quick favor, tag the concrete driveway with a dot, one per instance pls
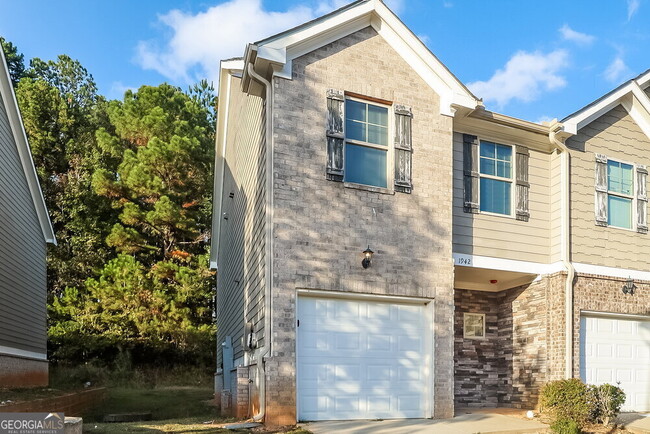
(461, 424)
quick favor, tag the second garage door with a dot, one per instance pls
(617, 349)
(360, 359)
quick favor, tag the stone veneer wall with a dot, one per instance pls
(604, 294)
(521, 350)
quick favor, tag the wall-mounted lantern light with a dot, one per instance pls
(629, 286)
(367, 257)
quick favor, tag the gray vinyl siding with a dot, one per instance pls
(241, 277)
(22, 254)
(616, 135)
(489, 235)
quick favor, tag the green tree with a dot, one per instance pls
(15, 61)
(156, 294)
(61, 112)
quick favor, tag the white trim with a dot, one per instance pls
(225, 85)
(599, 314)
(302, 292)
(8, 351)
(24, 152)
(622, 273)
(491, 263)
(280, 50)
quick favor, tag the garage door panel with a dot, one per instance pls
(365, 362)
(617, 350)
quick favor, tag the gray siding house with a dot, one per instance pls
(386, 247)
(25, 229)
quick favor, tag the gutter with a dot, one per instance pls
(268, 263)
(566, 248)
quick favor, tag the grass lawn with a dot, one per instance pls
(174, 409)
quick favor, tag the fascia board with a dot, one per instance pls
(638, 106)
(643, 80)
(24, 152)
(281, 51)
(586, 116)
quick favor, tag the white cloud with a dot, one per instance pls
(118, 89)
(616, 70)
(524, 77)
(198, 42)
(579, 38)
(632, 7)
(448, 4)
(544, 119)
(424, 38)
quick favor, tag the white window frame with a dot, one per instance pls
(499, 178)
(467, 315)
(389, 148)
(633, 196)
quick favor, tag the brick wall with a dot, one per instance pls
(604, 294)
(321, 227)
(21, 372)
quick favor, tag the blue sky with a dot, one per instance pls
(525, 60)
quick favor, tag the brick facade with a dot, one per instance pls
(604, 294)
(321, 227)
(22, 372)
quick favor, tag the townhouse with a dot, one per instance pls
(387, 247)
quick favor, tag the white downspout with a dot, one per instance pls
(268, 251)
(566, 250)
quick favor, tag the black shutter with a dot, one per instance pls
(335, 101)
(403, 149)
(642, 200)
(523, 186)
(601, 190)
(470, 173)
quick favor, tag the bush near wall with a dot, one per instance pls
(571, 404)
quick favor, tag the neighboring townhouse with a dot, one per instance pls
(25, 230)
(388, 248)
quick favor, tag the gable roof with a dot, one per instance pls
(630, 95)
(277, 52)
(22, 145)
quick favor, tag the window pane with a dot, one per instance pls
(378, 115)
(503, 169)
(355, 110)
(619, 178)
(495, 196)
(487, 166)
(355, 130)
(377, 135)
(504, 153)
(619, 212)
(488, 150)
(626, 179)
(365, 165)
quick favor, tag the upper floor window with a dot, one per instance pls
(621, 199)
(620, 194)
(496, 178)
(361, 148)
(366, 143)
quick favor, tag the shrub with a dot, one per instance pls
(566, 400)
(605, 402)
(565, 426)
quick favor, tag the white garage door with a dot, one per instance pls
(362, 360)
(617, 350)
